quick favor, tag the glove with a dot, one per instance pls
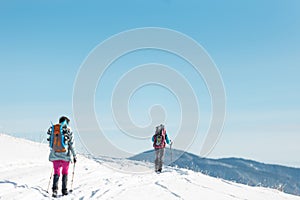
(74, 160)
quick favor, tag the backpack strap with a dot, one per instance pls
(62, 136)
(50, 132)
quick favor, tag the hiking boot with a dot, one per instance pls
(64, 192)
(54, 194)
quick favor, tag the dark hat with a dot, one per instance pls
(64, 118)
(159, 127)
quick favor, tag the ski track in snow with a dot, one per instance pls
(25, 174)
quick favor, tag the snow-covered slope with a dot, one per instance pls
(239, 170)
(25, 173)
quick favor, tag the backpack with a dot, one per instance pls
(159, 137)
(58, 137)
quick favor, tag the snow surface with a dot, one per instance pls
(25, 172)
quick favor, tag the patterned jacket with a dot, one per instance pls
(69, 145)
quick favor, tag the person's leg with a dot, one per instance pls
(56, 167)
(156, 159)
(161, 159)
(65, 170)
(65, 167)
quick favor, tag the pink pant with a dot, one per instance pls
(57, 164)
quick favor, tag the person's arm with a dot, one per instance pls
(72, 145)
(49, 132)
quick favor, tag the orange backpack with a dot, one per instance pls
(57, 139)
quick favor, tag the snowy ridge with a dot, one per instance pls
(238, 170)
(25, 172)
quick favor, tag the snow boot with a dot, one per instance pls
(64, 185)
(54, 194)
(55, 185)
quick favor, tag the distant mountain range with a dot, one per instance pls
(238, 170)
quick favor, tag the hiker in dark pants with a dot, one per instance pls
(62, 150)
(159, 139)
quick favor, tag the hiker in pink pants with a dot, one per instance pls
(62, 152)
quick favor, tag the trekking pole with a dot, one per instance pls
(71, 190)
(50, 181)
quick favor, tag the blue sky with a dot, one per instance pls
(255, 45)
